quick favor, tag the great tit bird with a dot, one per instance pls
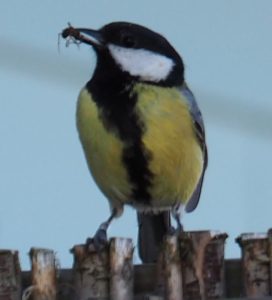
(141, 129)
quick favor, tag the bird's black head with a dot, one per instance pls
(141, 53)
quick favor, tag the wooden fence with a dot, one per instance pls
(191, 266)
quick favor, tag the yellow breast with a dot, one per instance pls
(177, 159)
(103, 151)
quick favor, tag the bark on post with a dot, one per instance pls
(270, 256)
(43, 272)
(159, 282)
(172, 269)
(91, 273)
(10, 275)
(202, 254)
(256, 264)
(121, 269)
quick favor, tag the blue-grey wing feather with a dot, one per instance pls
(200, 132)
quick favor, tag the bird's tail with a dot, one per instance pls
(152, 229)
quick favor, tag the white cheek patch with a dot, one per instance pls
(149, 66)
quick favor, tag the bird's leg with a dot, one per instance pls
(100, 238)
(176, 215)
(185, 247)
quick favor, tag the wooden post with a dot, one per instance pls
(43, 273)
(153, 297)
(202, 254)
(255, 263)
(10, 275)
(121, 269)
(270, 256)
(172, 269)
(91, 273)
(159, 276)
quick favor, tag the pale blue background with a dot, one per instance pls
(48, 198)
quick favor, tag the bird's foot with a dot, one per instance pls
(176, 215)
(179, 228)
(171, 231)
(100, 240)
(175, 231)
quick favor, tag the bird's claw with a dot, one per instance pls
(179, 229)
(175, 231)
(171, 231)
(99, 242)
(100, 239)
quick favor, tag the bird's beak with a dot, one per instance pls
(84, 35)
(94, 36)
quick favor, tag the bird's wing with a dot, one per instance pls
(200, 132)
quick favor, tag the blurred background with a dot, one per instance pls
(48, 198)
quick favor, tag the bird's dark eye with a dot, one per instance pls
(128, 41)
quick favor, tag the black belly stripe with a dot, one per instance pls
(136, 158)
(117, 104)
